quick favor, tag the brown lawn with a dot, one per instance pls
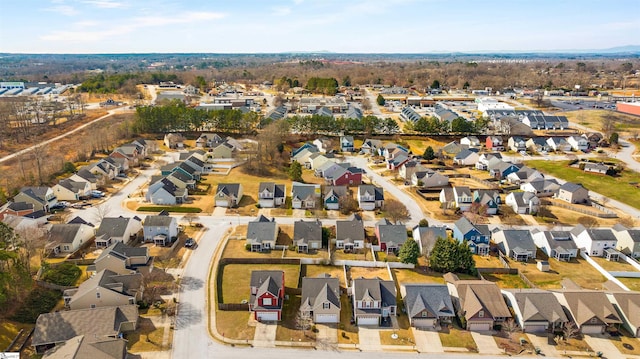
(313, 271)
(347, 332)
(357, 272)
(233, 324)
(614, 266)
(287, 329)
(406, 276)
(236, 249)
(577, 270)
(236, 279)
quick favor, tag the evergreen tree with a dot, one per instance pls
(380, 100)
(409, 252)
(429, 154)
(295, 171)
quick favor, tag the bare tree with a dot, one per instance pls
(608, 125)
(190, 217)
(510, 327)
(347, 204)
(101, 211)
(303, 321)
(39, 154)
(570, 331)
(588, 221)
(396, 210)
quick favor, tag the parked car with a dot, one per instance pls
(190, 243)
(97, 194)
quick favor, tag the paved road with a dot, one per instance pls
(374, 104)
(29, 149)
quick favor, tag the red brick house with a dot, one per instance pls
(347, 177)
(267, 295)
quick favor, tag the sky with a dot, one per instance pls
(345, 26)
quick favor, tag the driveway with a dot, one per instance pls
(369, 339)
(265, 335)
(601, 343)
(427, 341)
(542, 341)
(486, 344)
(327, 336)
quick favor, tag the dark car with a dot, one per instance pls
(190, 243)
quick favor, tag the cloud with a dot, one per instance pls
(281, 11)
(81, 33)
(65, 10)
(105, 4)
(298, 2)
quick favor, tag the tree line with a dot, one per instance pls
(433, 125)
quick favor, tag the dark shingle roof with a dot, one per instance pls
(434, 298)
(318, 290)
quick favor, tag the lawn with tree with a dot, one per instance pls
(449, 255)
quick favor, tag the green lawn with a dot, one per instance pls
(236, 278)
(9, 330)
(458, 338)
(618, 188)
(506, 281)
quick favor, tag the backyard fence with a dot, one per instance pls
(607, 214)
(233, 307)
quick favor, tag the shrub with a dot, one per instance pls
(38, 301)
(65, 274)
(247, 247)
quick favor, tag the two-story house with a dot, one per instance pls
(262, 234)
(304, 196)
(462, 197)
(267, 295)
(370, 197)
(628, 240)
(346, 144)
(590, 310)
(332, 195)
(122, 259)
(68, 237)
(105, 289)
(428, 305)
(117, 229)
(556, 244)
(536, 310)
(350, 234)
(321, 298)
(573, 193)
(494, 143)
(373, 300)
(307, 235)
(391, 236)
(42, 198)
(515, 243)
(271, 194)
(593, 241)
(228, 194)
(160, 229)
(476, 236)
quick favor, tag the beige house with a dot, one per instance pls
(105, 289)
(68, 237)
(122, 259)
(223, 150)
(321, 298)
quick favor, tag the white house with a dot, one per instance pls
(68, 190)
(466, 157)
(556, 244)
(471, 141)
(68, 237)
(578, 143)
(523, 202)
(593, 240)
(160, 229)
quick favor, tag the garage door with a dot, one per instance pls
(479, 327)
(591, 329)
(423, 323)
(535, 328)
(267, 316)
(367, 321)
(326, 318)
(222, 203)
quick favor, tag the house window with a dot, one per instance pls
(481, 314)
(594, 253)
(98, 295)
(593, 320)
(326, 305)
(93, 306)
(424, 314)
(266, 301)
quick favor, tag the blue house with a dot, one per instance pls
(476, 236)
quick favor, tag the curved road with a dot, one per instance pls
(29, 149)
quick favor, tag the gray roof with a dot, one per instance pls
(122, 250)
(538, 305)
(319, 290)
(368, 188)
(587, 304)
(302, 192)
(303, 232)
(462, 191)
(262, 229)
(81, 346)
(266, 281)
(596, 234)
(19, 206)
(350, 230)
(464, 225)
(464, 154)
(113, 227)
(428, 236)
(158, 221)
(377, 289)
(64, 233)
(126, 284)
(560, 240)
(337, 191)
(103, 322)
(432, 298)
(229, 189)
(571, 187)
(392, 233)
(37, 193)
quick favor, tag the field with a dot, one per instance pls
(357, 272)
(577, 270)
(239, 276)
(618, 188)
(594, 118)
(233, 324)
(458, 338)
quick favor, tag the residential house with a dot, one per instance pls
(573, 193)
(462, 197)
(304, 196)
(371, 147)
(471, 141)
(541, 187)
(426, 237)
(332, 195)
(408, 168)
(538, 145)
(17, 209)
(123, 259)
(262, 234)
(536, 310)
(370, 197)
(556, 244)
(181, 180)
(558, 144)
(397, 160)
(578, 143)
(479, 301)
(68, 190)
(221, 151)
(346, 144)
(488, 199)
(628, 240)
(42, 198)
(600, 168)
(324, 145)
(166, 192)
(105, 289)
(160, 229)
(523, 175)
(85, 347)
(307, 235)
(595, 139)
(319, 160)
(494, 143)
(121, 164)
(345, 176)
(102, 170)
(446, 198)
(271, 195)
(429, 179)
(174, 140)
(517, 144)
(84, 175)
(302, 154)
(373, 300)
(627, 304)
(466, 157)
(391, 236)
(130, 153)
(321, 298)
(117, 229)
(428, 306)
(476, 236)
(197, 164)
(590, 310)
(354, 113)
(593, 241)
(56, 328)
(228, 195)
(500, 169)
(453, 148)
(68, 237)
(483, 160)
(350, 233)
(267, 295)
(516, 244)
(209, 140)
(393, 150)
(277, 113)
(523, 202)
